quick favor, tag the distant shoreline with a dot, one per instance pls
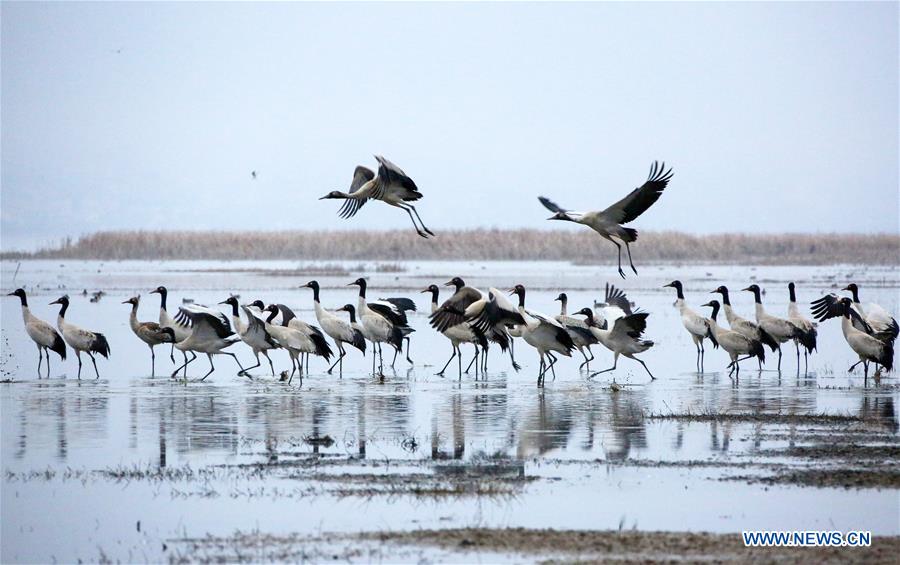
(582, 247)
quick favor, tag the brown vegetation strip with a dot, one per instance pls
(478, 244)
(761, 417)
(546, 545)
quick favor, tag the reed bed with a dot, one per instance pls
(478, 244)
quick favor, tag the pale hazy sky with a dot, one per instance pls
(776, 117)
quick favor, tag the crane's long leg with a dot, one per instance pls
(94, 361)
(512, 354)
(233, 356)
(408, 343)
(779, 357)
(47, 353)
(41, 359)
(853, 366)
(552, 362)
(244, 371)
(541, 370)
(630, 262)
(613, 368)
(211, 367)
(341, 356)
(583, 354)
(484, 359)
(172, 353)
(78, 355)
(441, 372)
(415, 225)
(152, 362)
(184, 366)
(271, 367)
(619, 249)
(416, 212)
(702, 355)
(645, 368)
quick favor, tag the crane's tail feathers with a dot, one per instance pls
(758, 351)
(100, 345)
(321, 345)
(630, 235)
(711, 337)
(359, 341)
(887, 357)
(59, 347)
(808, 340)
(767, 339)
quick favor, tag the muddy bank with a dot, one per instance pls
(515, 544)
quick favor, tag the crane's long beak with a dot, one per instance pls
(512, 291)
(154, 292)
(667, 285)
(11, 294)
(846, 288)
(55, 301)
(707, 304)
(748, 288)
(449, 283)
(224, 302)
(126, 302)
(424, 291)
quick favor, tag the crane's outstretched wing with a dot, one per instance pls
(617, 297)
(830, 306)
(361, 175)
(641, 198)
(493, 310)
(551, 205)
(206, 324)
(633, 326)
(184, 319)
(452, 312)
(390, 173)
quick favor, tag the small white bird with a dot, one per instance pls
(392, 186)
(696, 325)
(44, 336)
(609, 223)
(624, 338)
(734, 343)
(869, 348)
(79, 339)
(150, 333)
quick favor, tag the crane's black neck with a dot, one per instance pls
(855, 291)
(134, 307)
(756, 296)
(234, 308)
(272, 315)
(63, 308)
(163, 294)
(23, 300)
(352, 311)
(315, 293)
(362, 289)
(725, 300)
(435, 292)
(792, 293)
(679, 291)
(715, 310)
(287, 314)
(521, 294)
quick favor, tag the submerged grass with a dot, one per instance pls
(477, 244)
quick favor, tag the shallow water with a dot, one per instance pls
(86, 461)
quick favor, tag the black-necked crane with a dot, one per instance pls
(80, 339)
(696, 325)
(337, 329)
(253, 333)
(494, 315)
(182, 331)
(745, 327)
(356, 335)
(458, 334)
(734, 343)
(870, 349)
(544, 334)
(210, 334)
(41, 333)
(883, 325)
(392, 186)
(779, 328)
(316, 343)
(623, 338)
(578, 330)
(609, 223)
(150, 333)
(289, 338)
(808, 333)
(384, 321)
(451, 314)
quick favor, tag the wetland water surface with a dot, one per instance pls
(138, 468)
